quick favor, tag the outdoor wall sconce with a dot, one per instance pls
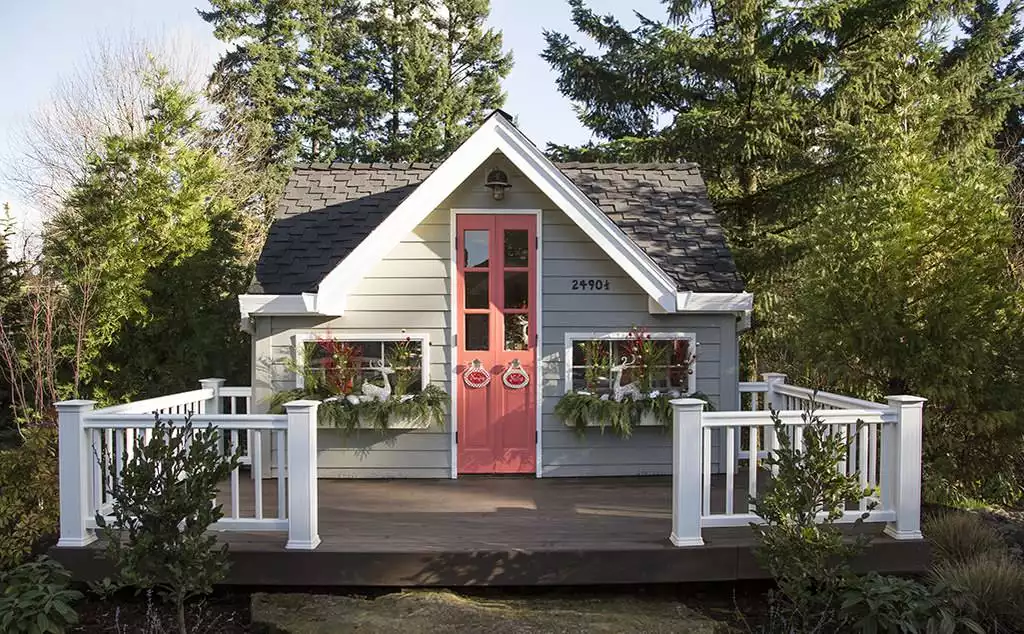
(497, 180)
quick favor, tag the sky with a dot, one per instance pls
(44, 40)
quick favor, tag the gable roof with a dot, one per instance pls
(327, 210)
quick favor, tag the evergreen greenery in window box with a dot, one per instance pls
(332, 374)
(581, 410)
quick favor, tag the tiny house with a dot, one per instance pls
(505, 281)
(414, 326)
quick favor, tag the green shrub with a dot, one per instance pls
(158, 537)
(989, 587)
(807, 554)
(876, 603)
(961, 537)
(35, 599)
(29, 500)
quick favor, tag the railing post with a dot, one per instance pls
(903, 468)
(773, 398)
(774, 401)
(687, 445)
(303, 521)
(74, 477)
(213, 404)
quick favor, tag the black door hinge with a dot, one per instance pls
(456, 438)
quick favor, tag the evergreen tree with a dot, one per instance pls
(754, 91)
(147, 247)
(439, 75)
(348, 80)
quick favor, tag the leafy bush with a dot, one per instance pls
(961, 537)
(876, 603)
(158, 537)
(807, 554)
(29, 501)
(35, 599)
(990, 588)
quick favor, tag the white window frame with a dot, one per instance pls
(572, 337)
(300, 340)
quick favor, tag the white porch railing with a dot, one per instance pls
(884, 453)
(87, 435)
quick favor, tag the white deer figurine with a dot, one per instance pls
(375, 392)
(619, 391)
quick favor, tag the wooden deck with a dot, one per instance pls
(499, 531)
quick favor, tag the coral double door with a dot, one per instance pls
(496, 363)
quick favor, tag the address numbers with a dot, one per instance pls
(590, 285)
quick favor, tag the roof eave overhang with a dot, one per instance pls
(696, 302)
(495, 134)
(266, 305)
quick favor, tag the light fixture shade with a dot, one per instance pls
(497, 181)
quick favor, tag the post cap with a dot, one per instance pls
(905, 399)
(213, 381)
(688, 403)
(301, 404)
(774, 376)
(74, 404)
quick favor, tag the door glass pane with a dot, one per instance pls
(477, 336)
(517, 327)
(517, 289)
(475, 247)
(477, 295)
(517, 247)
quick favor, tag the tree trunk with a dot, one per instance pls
(182, 629)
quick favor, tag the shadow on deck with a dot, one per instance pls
(507, 531)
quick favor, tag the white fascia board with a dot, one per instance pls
(496, 134)
(691, 302)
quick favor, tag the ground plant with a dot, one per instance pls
(29, 503)
(157, 535)
(35, 598)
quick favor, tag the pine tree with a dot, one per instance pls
(754, 91)
(347, 80)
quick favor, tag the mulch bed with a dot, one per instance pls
(128, 614)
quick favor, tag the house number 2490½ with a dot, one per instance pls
(591, 285)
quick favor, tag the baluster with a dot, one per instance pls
(98, 492)
(282, 491)
(730, 471)
(257, 471)
(752, 469)
(706, 471)
(234, 475)
(862, 448)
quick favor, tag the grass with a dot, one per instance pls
(959, 537)
(990, 587)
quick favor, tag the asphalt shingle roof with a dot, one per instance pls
(328, 209)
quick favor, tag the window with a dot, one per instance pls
(665, 362)
(347, 360)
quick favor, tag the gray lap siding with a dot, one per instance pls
(567, 254)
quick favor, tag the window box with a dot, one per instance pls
(625, 380)
(377, 381)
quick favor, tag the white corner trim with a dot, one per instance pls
(495, 134)
(572, 337)
(301, 339)
(691, 302)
